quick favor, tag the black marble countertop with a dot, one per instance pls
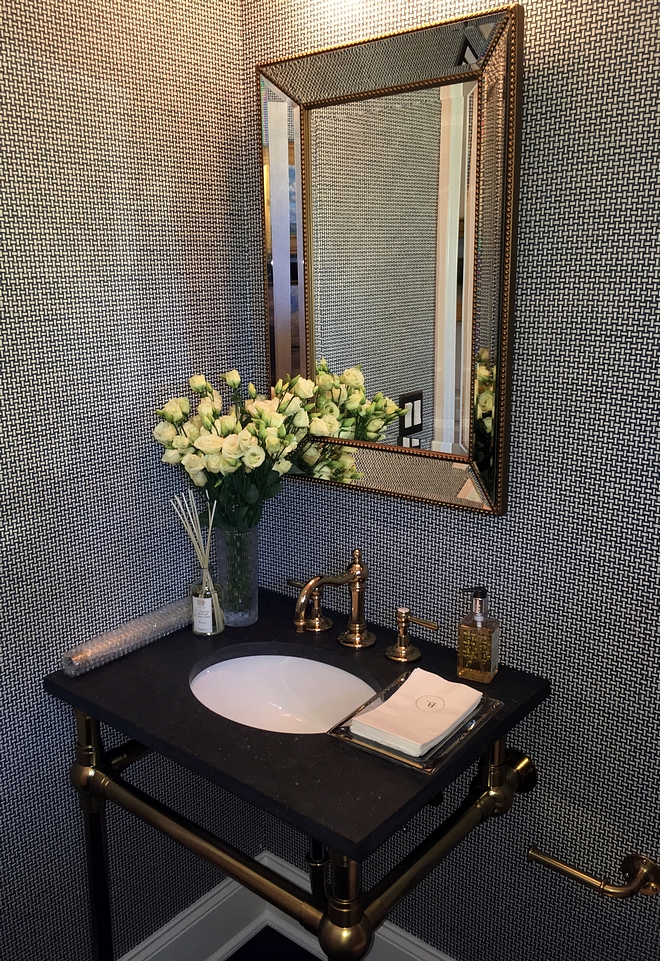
(318, 784)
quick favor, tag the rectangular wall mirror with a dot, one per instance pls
(390, 192)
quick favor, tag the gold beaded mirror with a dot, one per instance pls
(390, 193)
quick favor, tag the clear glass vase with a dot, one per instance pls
(237, 566)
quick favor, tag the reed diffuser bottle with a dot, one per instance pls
(478, 641)
(207, 614)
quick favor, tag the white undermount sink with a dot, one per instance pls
(279, 692)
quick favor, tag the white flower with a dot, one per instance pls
(332, 425)
(198, 384)
(311, 455)
(301, 419)
(354, 400)
(262, 406)
(322, 471)
(213, 463)
(291, 404)
(205, 408)
(231, 446)
(181, 443)
(272, 441)
(254, 457)
(199, 478)
(173, 412)
(192, 428)
(246, 440)
(228, 464)
(209, 443)
(353, 377)
(346, 460)
(325, 381)
(304, 388)
(226, 424)
(328, 408)
(485, 402)
(193, 463)
(171, 457)
(318, 427)
(275, 420)
(233, 379)
(375, 425)
(165, 432)
(282, 466)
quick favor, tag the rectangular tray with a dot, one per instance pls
(434, 758)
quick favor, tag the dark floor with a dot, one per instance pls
(270, 945)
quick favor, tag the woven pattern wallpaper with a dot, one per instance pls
(124, 273)
(132, 259)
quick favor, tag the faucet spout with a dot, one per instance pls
(355, 576)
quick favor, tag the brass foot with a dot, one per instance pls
(357, 639)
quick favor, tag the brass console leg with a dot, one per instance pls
(89, 751)
(345, 933)
(317, 859)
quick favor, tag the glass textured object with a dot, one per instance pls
(237, 563)
(478, 641)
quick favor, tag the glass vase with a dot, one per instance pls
(237, 565)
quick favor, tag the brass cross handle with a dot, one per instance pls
(403, 650)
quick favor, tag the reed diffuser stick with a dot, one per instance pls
(186, 511)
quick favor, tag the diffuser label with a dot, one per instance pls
(202, 615)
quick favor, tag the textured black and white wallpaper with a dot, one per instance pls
(132, 259)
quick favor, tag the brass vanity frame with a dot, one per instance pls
(342, 916)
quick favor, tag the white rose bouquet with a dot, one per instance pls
(484, 408)
(341, 409)
(238, 458)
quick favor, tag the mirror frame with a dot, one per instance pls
(512, 18)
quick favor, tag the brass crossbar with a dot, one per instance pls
(343, 917)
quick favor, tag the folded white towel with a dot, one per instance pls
(425, 710)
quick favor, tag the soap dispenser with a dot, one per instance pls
(478, 641)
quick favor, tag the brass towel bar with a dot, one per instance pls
(641, 873)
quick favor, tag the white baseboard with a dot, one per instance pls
(216, 925)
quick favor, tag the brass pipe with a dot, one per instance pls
(641, 873)
(256, 877)
(420, 862)
(503, 775)
(345, 933)
(317, 859)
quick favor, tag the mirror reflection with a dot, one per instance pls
(387, 170)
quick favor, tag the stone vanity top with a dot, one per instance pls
(318, 784)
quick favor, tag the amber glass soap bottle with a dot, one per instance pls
(478, 641)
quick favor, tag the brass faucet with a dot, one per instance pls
(356, 634)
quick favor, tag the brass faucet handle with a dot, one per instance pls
(403, 650)
(317, 622)
(430, 625)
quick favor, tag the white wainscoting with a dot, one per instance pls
(217, 924)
